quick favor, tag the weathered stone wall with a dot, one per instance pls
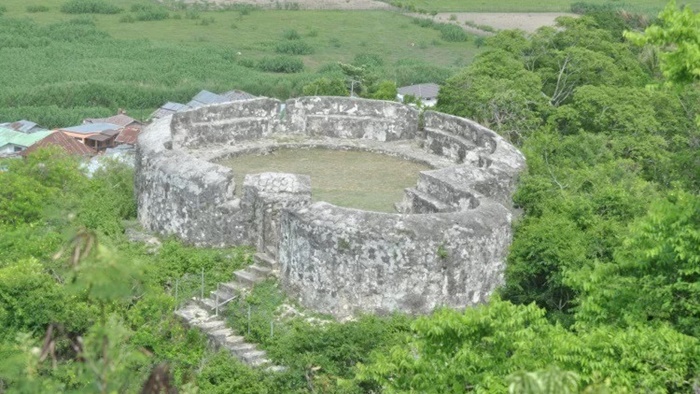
(446, 247)
(346, 117)
(342, 261)
(180, 195)
(226, 124)
(266, 195)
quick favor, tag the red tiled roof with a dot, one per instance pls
(65, 142)
(128, 136)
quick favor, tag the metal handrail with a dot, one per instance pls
(216, 302)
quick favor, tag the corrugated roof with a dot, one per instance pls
(65, 142)
(120, 120)
(128, 136)
(235, 95)
(92, 128)
(8, 136)
(170, 106)
(24, 126)
(99, 137)
(423, 90)
(206, 97)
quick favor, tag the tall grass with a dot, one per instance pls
(59, 73)
(89, 7)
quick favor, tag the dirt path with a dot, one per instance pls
(526, 21)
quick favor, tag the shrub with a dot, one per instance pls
(206, 21)
(149, 12)
(452, 33)
(368, 59)
(89, 7)
(281, 64)
(291, 34)
(294, 47)
(582, 7)
(326, 87)
(37, 8)
(3, 9)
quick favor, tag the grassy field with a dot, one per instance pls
(350, 179)
(333, 35)
(60, 68)
(643, 6)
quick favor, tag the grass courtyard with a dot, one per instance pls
(350, 179)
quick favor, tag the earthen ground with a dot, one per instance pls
(526, 21)
(352, 179)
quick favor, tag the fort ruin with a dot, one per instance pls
(445, 246)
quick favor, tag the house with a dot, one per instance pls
(121, 119)
(23, 126)
(13, 142)
(168, 108)
(62, 140)
(236, 95)
(427, 93)
(206, 97)
(201, 99)
(98, 136)
(128, 136)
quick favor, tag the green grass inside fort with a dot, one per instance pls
(350, 179)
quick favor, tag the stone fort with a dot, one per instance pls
(445, 246)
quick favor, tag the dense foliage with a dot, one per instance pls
(601, 290)
(602, 282)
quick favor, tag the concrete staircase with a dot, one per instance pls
(201, 313)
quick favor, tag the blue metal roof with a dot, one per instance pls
(170, 106)
(92, 128)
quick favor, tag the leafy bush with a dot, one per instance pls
(281, 64)
(448, 31)
(37, 8)
(291, 34)
(294, 47)
(326, 87)
(89, 7)
(452, 33)
(368, 60)
(583, 7)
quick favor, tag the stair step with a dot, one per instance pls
(259, 362)
(422, 202)
(211, 326)
(246, 278)
(232, 288)
(441, 183)
(254, 355)
(264, 260)
(234, 339)
(220, 334)
(223, 296)
(241, 348)
(259, 271)
(206, 303)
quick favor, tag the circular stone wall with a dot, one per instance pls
(446, 245)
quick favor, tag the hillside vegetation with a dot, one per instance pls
(61, 67)
(602, 290)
